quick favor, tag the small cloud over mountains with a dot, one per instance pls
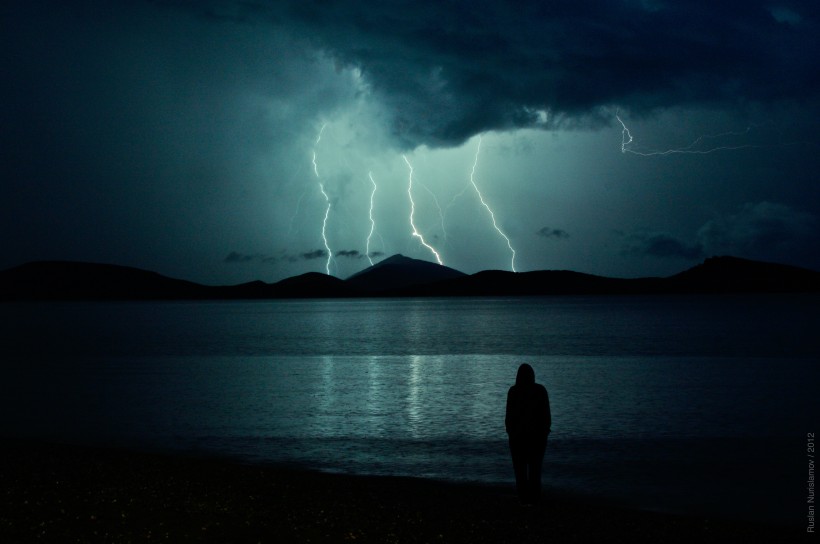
(349, 253)
(235, 257)
(558, 234)
(661, 245)
(314, 254)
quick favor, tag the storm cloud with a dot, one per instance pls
(226, 141)
(449, 70)
(762, 230)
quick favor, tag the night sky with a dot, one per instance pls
(213, 141)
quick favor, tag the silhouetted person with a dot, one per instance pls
(528, 422)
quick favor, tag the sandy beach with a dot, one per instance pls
(63, 493)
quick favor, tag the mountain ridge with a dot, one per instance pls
(396, 276)
(400, 272)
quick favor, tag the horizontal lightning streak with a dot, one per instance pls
(627, 139)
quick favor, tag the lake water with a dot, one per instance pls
(685, 403)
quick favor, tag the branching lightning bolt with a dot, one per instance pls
(327, 201)
(481, 198)
(452, 202)
(413, 211)
(438, 207)
(372, 221)
(456, 197)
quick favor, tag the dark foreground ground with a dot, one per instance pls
(58, 493)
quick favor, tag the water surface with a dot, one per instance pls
(676, 402)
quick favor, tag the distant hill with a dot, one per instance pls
(66, 280)
(312, 285)
(400, 272)
(395, 276)
(542, 282)
(732, 274)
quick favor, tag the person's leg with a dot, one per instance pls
(518, 452)
(535, 460)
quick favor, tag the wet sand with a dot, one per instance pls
(62, 493)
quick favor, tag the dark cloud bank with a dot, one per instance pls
(449, 70)
(763, 230)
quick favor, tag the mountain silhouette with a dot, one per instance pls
(67, 280)
(721, 274)
(400, 272)
(395, 276)
(311, 285)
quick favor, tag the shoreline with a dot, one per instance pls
(61, 493)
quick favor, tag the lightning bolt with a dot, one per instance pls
(452, 202)
(296, 212)
(626, 136)
(413, 211)
(627, 139)
(438, 207)
(483, 203)
(372, 221)
(315, 145)
(327, 200)
(298, 202)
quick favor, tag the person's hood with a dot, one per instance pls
(525, 376)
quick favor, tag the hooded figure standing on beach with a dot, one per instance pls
(528, 421)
